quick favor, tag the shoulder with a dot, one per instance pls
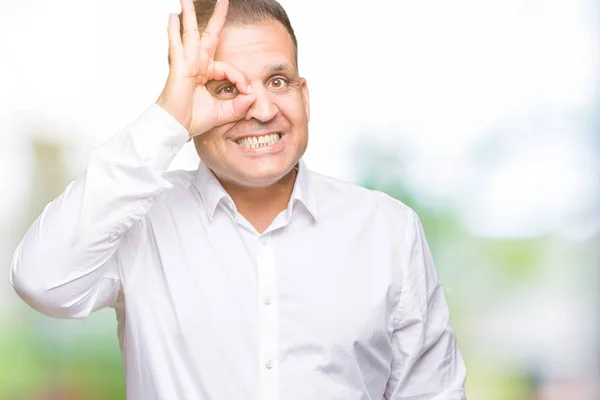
(355, 200)
(180, 189)
(180, 177)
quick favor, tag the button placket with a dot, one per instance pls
(268, 319)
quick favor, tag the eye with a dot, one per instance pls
(278, 82)
(228, 90)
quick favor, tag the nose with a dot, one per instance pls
(263, 109)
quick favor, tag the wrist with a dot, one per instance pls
(179, 117)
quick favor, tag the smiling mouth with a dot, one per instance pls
(255, 142)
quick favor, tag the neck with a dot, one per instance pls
(261, 205)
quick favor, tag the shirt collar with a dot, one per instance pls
(212, 192)
(304, 192)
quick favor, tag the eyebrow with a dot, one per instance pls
(278, 68)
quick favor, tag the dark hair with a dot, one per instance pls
(245, 13)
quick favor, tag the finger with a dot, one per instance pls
(175, 44)
(217, 20)
(190, 35)
(209, 40)
(234, 110)
(222, 70)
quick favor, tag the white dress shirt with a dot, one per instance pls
(338, 299)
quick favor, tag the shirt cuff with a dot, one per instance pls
(158, 137)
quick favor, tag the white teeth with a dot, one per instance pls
(262, 141)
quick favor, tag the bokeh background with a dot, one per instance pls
(482, 115)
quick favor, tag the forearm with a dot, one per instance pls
(65, 265)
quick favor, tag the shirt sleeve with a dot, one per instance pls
(67, 265)
(427, 363)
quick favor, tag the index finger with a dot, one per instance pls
(223, 70)
(217, 20)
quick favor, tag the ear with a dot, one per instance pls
(305, 97)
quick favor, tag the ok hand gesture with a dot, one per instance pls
(192, 65)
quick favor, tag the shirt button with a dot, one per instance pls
(269, 364)
(263, 240)
(175, 149)
(114, 236)
(267, 300)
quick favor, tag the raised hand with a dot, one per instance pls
(192, 64)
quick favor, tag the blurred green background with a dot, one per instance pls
(483, 116)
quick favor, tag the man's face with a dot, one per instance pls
(267, 143)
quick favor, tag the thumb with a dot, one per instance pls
(234, 109)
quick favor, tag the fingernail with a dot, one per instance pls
(249, 90)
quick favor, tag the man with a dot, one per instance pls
(250, 278)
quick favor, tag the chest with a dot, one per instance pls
(324, 288)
